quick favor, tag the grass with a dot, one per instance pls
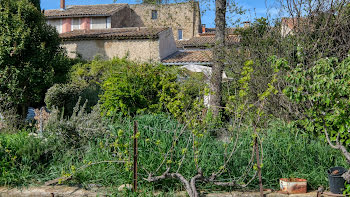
(288, 152)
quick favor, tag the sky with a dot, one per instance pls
(253, 9)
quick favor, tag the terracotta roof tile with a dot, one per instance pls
(211, 31)
(196, 56)
(114, 33)
(205, 41)
(85, 10)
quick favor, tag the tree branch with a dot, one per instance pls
(338, 145)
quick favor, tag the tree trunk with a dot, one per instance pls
(218, 57)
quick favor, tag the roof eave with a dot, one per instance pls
(112, 38)
(183, 63)
(78, 16)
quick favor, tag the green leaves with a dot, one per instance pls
(30, 56)
(136, 88)
(324, 88)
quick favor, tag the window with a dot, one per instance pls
(98, 23)
(154, 14)
(179, 34)
(108, 23)
(57, 23)
(75, 23)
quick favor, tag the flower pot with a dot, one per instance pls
(293, 185)
(336, 181)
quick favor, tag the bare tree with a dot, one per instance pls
(218, 66)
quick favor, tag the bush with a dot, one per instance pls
(137, 87)
(80, 128)
(131, 87)
(30, 56)
(65, 96)
(96, 71)
(24, 157)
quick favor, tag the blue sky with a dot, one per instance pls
(254, 8)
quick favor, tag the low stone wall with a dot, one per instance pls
(76, 191)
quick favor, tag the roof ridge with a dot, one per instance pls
(100, 4)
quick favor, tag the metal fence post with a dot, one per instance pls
(135, 158)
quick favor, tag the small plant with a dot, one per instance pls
(346, 192)
(78, 129)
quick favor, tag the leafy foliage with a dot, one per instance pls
(132, 88)
(136, 88)
(324, 89)
(288, 152)
(78, 129)
(30, 57)
(23, 156)
(65, 97)
(36, 3)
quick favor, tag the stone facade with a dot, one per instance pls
(141, 49)
(179, 16)
(183, 18)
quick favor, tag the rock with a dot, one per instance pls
(125, 187)
(346, 176)
(33, 135)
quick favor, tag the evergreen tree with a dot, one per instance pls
(36, 3)
(31, 59)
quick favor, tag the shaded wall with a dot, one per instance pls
(138, 50)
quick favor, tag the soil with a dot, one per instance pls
(335, 172)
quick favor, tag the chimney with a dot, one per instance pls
(203, 28)
(246, 24)
(63, 4)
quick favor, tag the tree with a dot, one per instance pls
(324, 91)
(218, 66)
(36, 3)
(31, 59)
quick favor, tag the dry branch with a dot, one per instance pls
(66, 178)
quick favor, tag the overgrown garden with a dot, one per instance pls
(284, 114)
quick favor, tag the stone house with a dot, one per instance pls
(91, 17)
(183, 18)
(290, 26)
(206, 39)
(137, 43)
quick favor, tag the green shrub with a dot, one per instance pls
(24, 157)
(136, 88)
(80, 128)
(65, 96)
(131, 87)
(96, 71)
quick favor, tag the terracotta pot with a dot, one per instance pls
(293, 185)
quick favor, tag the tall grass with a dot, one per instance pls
(288, 152)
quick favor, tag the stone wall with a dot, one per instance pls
(126, 17)
(185, 16)
(138, 50)
(142, 50)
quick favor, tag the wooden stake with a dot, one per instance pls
(259, 167)
(135, 158)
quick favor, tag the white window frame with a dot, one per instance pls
(72, 25)
(108, 22)
(60, 28)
